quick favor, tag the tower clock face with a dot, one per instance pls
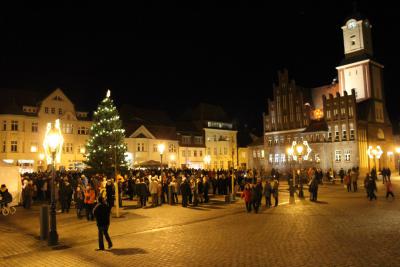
(351, 24)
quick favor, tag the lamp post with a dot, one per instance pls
(161, 148)
(292, 184)
(52, 144)
(374, 153)
(300, 151)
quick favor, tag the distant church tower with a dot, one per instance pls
(358, 70)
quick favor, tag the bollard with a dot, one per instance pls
(44, 222)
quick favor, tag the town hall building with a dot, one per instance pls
(340, 121)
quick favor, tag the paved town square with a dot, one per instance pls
(341, 229)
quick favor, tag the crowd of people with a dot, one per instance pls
(155, 187)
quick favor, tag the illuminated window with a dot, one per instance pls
(270, 158)
(351, 131)
(83, 130)
(336, 133)
(347, 155)
(14, 146)
(67, 148)
(283, 158)
(338, 155)
(34, 127)
(67, 128)
(344, 132)
(14, 125)
(171, 148)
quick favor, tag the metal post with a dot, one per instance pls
(301, 193)
(53, 236)
(233, 186)
(44, 222)
(116, 180)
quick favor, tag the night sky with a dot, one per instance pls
(172, 59)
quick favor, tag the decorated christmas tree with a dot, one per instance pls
(105, 147)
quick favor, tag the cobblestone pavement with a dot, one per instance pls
(342, 229)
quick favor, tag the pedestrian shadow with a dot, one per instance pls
(127, 251)
(131, 207)
(197, 208)
(321, 202)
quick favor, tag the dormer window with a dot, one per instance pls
(57, 98)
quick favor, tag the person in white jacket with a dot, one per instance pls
(153, 191)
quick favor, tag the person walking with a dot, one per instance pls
(256, 194)
(275, 188)
(371, 188)
(389, 189)
(246, 195)
(102, 214)
(267, 193)
(354, 177)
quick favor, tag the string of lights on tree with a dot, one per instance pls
(105, 146)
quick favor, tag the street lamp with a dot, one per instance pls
(289, 152)
(161, 148)
(374, 153)
(207, 160)
(299, 152)
(53, 141)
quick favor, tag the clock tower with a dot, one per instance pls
(358, 70)
(357, 37)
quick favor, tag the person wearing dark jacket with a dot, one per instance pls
(141, 190)
(102, 214)
(65, 195)
(185, 190)
(110, 193)
(256, 194)
(206, 187)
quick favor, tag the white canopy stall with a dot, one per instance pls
(10, 176)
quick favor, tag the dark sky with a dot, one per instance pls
(173, 58)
